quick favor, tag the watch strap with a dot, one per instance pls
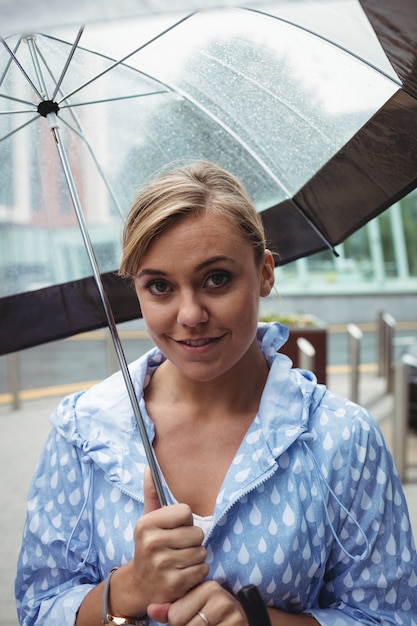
(109, 619)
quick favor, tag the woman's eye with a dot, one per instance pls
(158, 287)
(218, 279)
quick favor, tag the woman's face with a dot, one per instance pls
(199, 286)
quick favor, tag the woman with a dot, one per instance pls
(271, 479)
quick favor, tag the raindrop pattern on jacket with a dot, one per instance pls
(269, 525)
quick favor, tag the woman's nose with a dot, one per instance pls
(191, 311)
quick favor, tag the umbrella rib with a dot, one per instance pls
(67, 63)
(122, 60)
(13, 56)
(115, 99)
(269, 92)
(351, 53)
(11, 113)
(9, 62)
(80, 133)
(34, 53)
(19, 128)
(6, 97)
(67, 106)
(315, 227)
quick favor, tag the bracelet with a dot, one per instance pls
(109, 619)
(252, 603)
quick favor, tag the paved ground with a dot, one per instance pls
(24, 430)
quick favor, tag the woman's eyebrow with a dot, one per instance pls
(151, 272)
(148, 271)
(215, 259)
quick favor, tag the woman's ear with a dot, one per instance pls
(267, 274)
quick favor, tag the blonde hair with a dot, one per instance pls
(199, 187)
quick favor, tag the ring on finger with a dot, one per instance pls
(204, 618)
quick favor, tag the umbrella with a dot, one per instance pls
(234, 87)
(299, 100)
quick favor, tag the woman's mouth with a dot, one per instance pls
(199, 343)
(195, 343)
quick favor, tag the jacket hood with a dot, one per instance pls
(101, 423)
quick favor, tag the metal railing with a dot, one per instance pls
(386, 329)
(306, 354)
(13, 359)
(403, 370)
(14, 378)
(355, 339)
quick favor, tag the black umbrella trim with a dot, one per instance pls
(36, 317)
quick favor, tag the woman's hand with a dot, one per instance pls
(206, 605)
(168, 560)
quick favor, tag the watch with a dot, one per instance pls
(109, 619)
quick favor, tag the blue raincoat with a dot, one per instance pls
(311, 510)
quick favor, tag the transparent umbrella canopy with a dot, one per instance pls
(299, 100)
(268, 100)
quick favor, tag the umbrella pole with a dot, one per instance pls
(54, 126)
